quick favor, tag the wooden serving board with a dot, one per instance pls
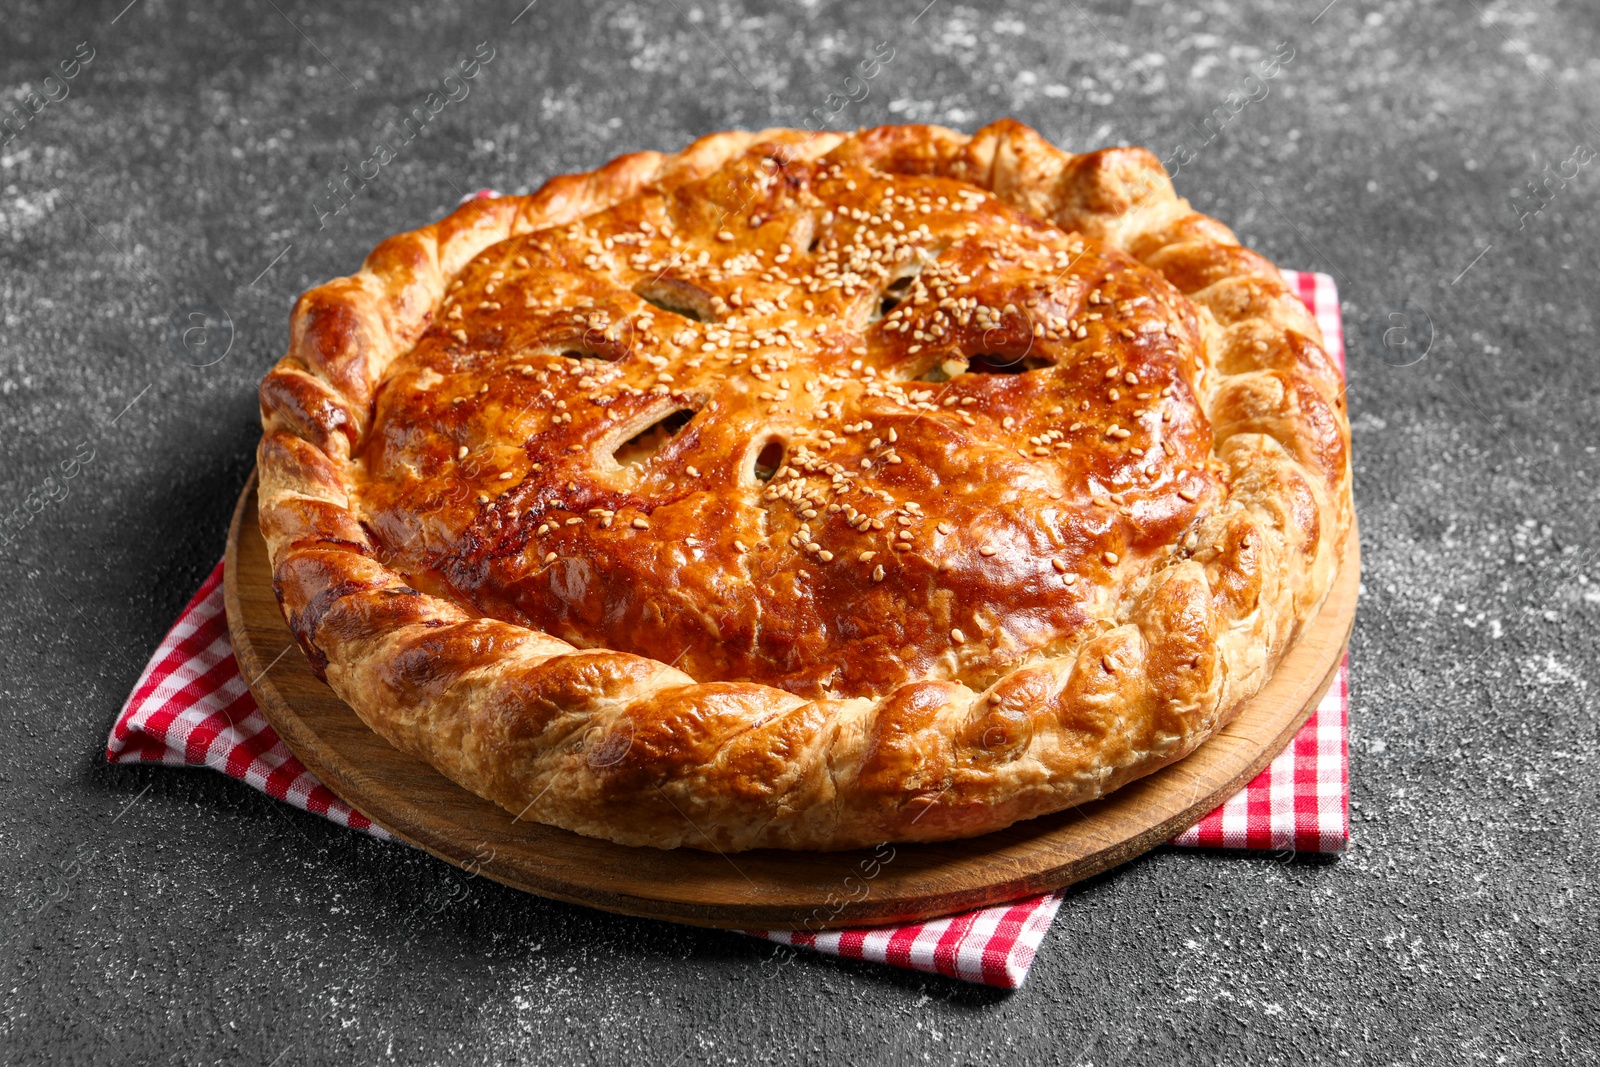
(766, 889)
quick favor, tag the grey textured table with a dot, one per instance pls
(1434, 158)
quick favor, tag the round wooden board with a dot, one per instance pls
(765, 889)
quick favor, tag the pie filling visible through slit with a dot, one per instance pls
(806, 491)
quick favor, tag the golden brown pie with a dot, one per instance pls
(806, 491)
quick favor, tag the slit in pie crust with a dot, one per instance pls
(806, 491)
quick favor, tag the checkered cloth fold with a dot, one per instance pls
(192, 707)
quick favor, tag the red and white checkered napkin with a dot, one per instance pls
(192, 707)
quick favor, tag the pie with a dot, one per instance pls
(806, 491)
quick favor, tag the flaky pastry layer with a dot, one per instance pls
(806, 491)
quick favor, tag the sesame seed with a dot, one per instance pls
(550, 557)
(1188, 494)
(506, 476)
(1109, 557)
(877, 573)
(461, 453)
(986, 550)
(958, 637)
(1061, 568)
(641, 524)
